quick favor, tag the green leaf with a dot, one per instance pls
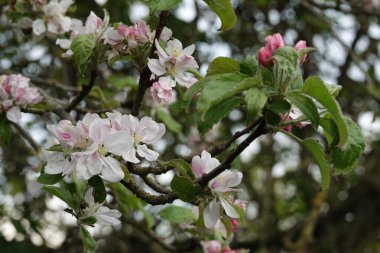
(185, 189)
(319, 155)
(218, 112)
(82, 47)
(88, 220)
(99, 192)
(315, 88)
(345, 158)
(272, 118)
(89, 243)
(221, 87)
(330, 130)
(194, 89)
(62, 194)
(169, 121)
(178, 214)
(249, 66)
(5, 130)
(182, 166)
(333, 89)
(286, 66)
(48, 179)
(55, 148)
(225, 12)
(306, 106)
(223, 65)
(256, 100)
(279, 105)
(161, 5)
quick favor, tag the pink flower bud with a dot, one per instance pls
(263, 56)
(274, 41)
(289, 127)
(299, 46)
(211, 246)
(229, 250)
(234, 225)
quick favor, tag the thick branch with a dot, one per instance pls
(86, 89)
(152, 183)
(145, 82)
(141, 171)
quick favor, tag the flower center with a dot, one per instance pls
(102, 151)
(136, 139)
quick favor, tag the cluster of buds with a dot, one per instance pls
(171, 66)
(15, 92)
(89, 147)
(274, 42)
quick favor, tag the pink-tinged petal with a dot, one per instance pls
(211, 246)
(14, 114)
(130, 156)
(232, 178)
(185, 81)
(197, 167)
(299, 46)
(93, 24)
(264, 55)
(211, 214)
(106, 216)
(166, 34)
(129, 123)
(184, 63)
(174, 47)
(38, 27)
(160, 51)
(275, 41)
(150, 155)
(111, 169)
(230, 210)
(156, 67)
(234, 225)
(118, 143)
(99, 129)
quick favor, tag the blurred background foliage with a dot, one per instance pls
(286, 211)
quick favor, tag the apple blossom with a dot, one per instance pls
(15, 92)
(220, 186)
(213, 246)
(54, 20)
(299, 46)
(162, 90)
(144, 133)
(103, 214)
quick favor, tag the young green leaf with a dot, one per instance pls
(256, 100)
(184, 187)
(225, 12)
(306, 106)
(345, 158)
(218, 112)
(178, 214)
(99, 191)
(223, 65)
(315, 88)
(249, 66)
(161, 5)
(319, 155)
(61, 193)
(48, 179)
(278, 106)
(82, 47)
(89, 243)
(169, 121)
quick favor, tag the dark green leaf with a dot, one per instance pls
(48, 179)
(178, 214)
(222, 65)
(99, 192)
(315, 88)
(218, 112)
(182, 166)
(256, 100)
(306, 106)
(169, 121)
(62, 194)
(249, 66)
(345, 158)
(279, 106)
(223, 9)
(272, 118)
(185, 189)
(89, 243)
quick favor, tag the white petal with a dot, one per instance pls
(112, 170)
(88, 197)
(38, 27)
(63, 43)
(118, 143)
(56, 163)
(82, 170)
(230, 210)
(14, 114)
(188, 50)
(211, 214)
(156, 67)
(130, 156)
(148, 154)
(106, 216)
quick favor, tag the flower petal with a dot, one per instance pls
(230, 210)
(148, 154)
(111, 170)
(211, 214)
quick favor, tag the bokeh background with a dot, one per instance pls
(286, 210)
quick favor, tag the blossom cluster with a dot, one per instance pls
(274, 42)
(92, 145)
(15, 92)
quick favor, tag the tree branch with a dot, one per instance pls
(145, 82)
(27, 137)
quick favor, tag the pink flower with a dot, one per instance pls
(299, 46)
(274, 41)
(162, 90)
(264, 55)
(211, 246)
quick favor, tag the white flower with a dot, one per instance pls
(220, 186)
(162, 90)
(103, 214)
(143, 132)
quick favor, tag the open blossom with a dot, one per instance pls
(103, 214)
(213, 246)
(15, 92)
(273, 42)
(93, 26)
(220, 186)
(162, 90)
(54, 20)
(144, 133)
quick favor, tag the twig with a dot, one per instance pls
(145, 82)
(148, 170)
(86, 89)
(152, 183)
(28, 137)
